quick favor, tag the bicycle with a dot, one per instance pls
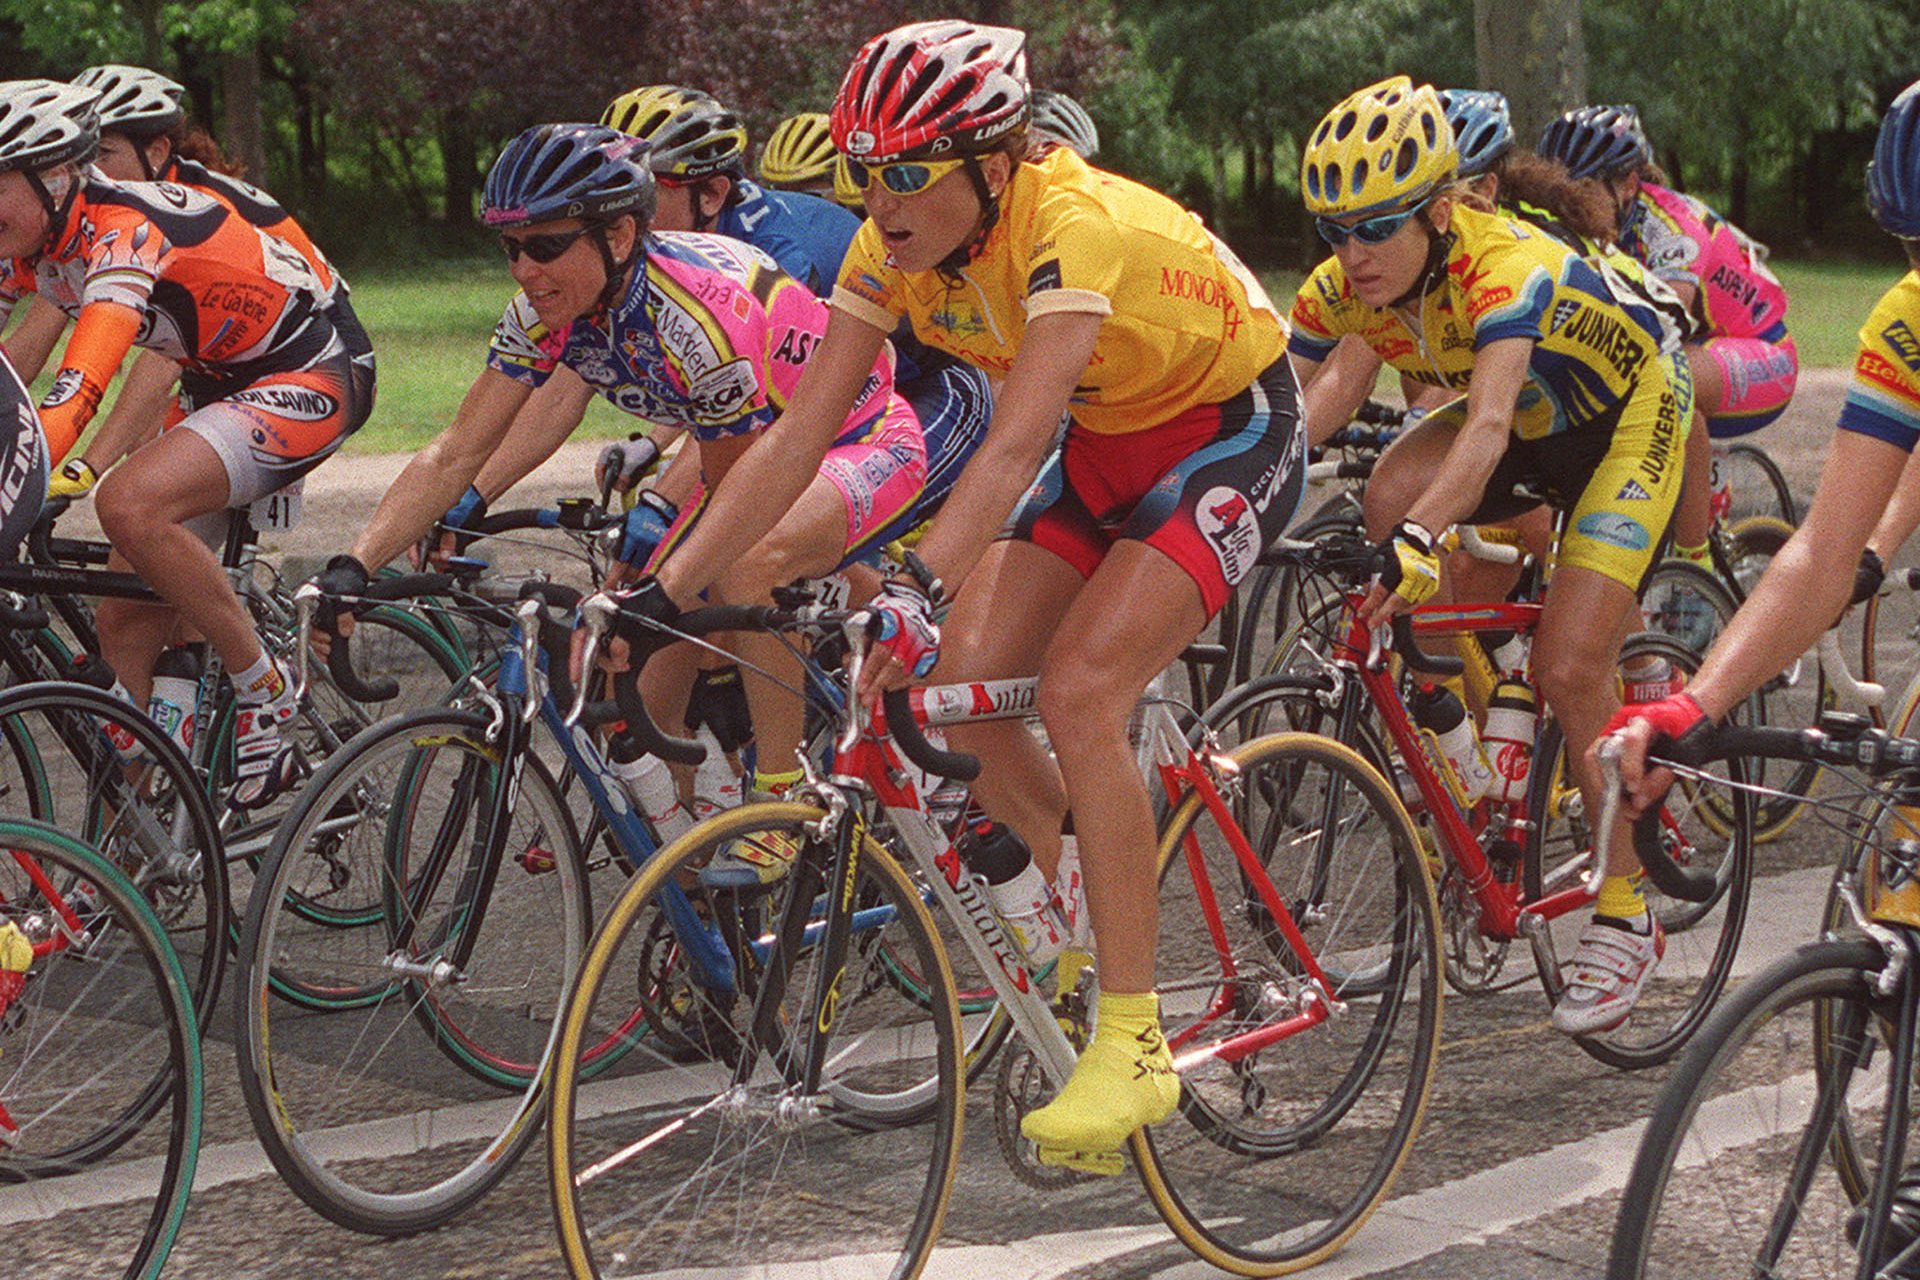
(1299, 982)
(1788, 1119)
(1513, 870)
(99, 1036)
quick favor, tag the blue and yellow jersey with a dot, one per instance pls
(1594, 339)
(1883, 400)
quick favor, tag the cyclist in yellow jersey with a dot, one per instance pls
(1837, 553)
(1091, 295)
(1567, 390)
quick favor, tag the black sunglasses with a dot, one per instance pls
(542, 249)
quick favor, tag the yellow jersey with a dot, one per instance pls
(1883, 400)
(1185, 322)
(1594, 336)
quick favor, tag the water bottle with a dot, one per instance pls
(716, 784)
(1443, 719)
(1650, 680)
(92, 670)
(1508, 737)
(1506, 650)
(650, 783)
(1021, 896)
(176, 691)
(1070, 890)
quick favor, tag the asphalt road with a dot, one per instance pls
(1516, 1175)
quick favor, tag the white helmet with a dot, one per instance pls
(1065, 121)
(44, 123)
(134, 100)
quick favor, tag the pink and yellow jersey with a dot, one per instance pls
(1682, 241)
(1883, 400)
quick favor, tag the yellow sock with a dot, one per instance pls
(1699, 555)
(1123, 1081)
(775, 784)
(1622, 897)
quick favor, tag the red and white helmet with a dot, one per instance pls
(932, 88)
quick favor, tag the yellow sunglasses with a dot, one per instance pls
(903, 177)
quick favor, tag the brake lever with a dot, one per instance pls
(306, 600)
(596, 617)
(527, 613)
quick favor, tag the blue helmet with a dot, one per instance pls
(1482, 127)
(568, 171)
(1597, 141)
(1893, 175)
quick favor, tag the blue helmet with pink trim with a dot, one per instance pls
(556, 171)
(1893, 175)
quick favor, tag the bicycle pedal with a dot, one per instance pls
(1104, 1164)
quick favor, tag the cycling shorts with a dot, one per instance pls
(1758, 378)
(1210, 487)
(1620, 487)
(879, 476)
(274, 429)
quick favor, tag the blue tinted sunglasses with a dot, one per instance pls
(1371, 231)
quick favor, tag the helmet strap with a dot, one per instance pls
(954, 263)
(617, 272)
(1433, 270)
(56, 212)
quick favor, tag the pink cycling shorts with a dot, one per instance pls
(1758, 376)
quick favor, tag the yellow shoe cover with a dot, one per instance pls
(1124, 1080)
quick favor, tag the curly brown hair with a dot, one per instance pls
(1582, 204)
(191, 142)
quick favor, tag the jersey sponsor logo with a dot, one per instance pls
(1391, 349)
(860, 142)
(1232, 530)
(795, 346)
(1562, 312)
(1899, 337)
(1485, 300)
(643, 402)
(682, 334)
(1660, 447)
(172, 194)
(1872, 367)
(1191, 286)
(20, 463)
(593, 364)
(719, 395)
(302, 404)
(247, 301)
(1308, 315)
(961, 323)
(1608, 338)
(66, 385)
(1044, 277)
(1462, 269)
(1744, 292)
(1615, 530)
(1632, 492)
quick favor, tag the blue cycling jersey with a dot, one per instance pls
(806, 235)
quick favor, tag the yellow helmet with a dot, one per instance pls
(799, 151)
(845, 193)
(1386, 147)
(692, 135)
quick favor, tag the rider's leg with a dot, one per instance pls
(133, 634)
(1006, 612)
(1403, 473)
(1693, 518)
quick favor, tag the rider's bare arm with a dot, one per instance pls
(441, 472)
(1902, 517)
(1809, 582)
(773, 475)
(542, 426)
(1053, 357)
(137, 414)
(35, 337)
(1499, 370)
(1335, 388)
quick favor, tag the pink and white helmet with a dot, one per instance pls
(930, 89)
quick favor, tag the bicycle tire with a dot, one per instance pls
(128, 977)
(1217, 1170)
(677, 1178)
(501, 952)
(146, 812)
(1687, 602)
(1771, 494)
(1705, 826)
(1742, 1087)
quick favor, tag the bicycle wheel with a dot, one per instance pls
(1735, 1175)
(139, 804)
(1759, 487)
(479, 933)
(719, 1164)
(389, 643)
(1702, 824)
(1682, 600)
(99, 1039)
(1346, 1095)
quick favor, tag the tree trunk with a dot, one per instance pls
(245, 135)
(1738, 187)
(1218, 153)
(152, 40)
(309, 154)
(1534, 52)
(458, 157)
